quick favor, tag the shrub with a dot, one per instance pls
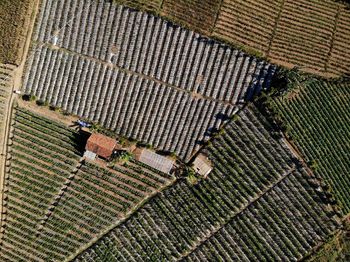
(54, 108)
(28, 97)
(42, 103)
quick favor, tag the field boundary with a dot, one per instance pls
(275, 29)
(335, 26)
(122, 220)
(213, 232)
(168, 85)
(216, 18)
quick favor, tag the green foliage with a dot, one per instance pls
(191, 176)
(337, 247)
(143, 144)
(42, 103)
(54, 108)
(235, 117)
(315, 118)
(124, 156)
(28, 97)
(313, 165)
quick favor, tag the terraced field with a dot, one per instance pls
(187, 81)
(255, 205)
(313, 35)
(317, 117)
(248, 23)
(291, 33)
(54, 201)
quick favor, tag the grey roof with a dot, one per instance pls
(156, 161)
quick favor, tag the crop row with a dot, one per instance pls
(244, 179)
(93, 200)
(41, 161)
(340, 56)
(150, 46)
(238, 23)
(289, 210)
(315, 120)
(198, 15)
(52, 208)
(167, 118)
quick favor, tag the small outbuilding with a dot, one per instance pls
(99, 145)
(202, 165)
(155, 160)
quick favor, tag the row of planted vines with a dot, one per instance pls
(149, 77)
(316, 116)
(311, 34)
(249, 194)
(55, 202)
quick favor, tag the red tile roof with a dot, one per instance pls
(101, 145)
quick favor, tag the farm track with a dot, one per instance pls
(140, 75)
(275, 28)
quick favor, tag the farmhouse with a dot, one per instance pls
(202, 165)
(99, 145)
(155, 160)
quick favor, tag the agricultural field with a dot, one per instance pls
(54, 201)
(198, 15)
(316, 116)
(187, 13)
(15, 16)
(308, 34)
(313, 35)
(184, 78)
(248, 23)
(6, 80)
(188, 81)
(145, 5)
(255, 205)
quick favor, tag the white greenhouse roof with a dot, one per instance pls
(156, 161)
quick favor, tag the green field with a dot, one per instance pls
(55, 202)
(256, 205)
(316, 116)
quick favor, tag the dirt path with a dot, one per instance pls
(17, 81)
(45, 111)
(141, 75)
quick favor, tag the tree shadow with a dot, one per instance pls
(222, 116)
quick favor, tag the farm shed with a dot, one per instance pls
(155, 160)
(202, 165)
(99, 145)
